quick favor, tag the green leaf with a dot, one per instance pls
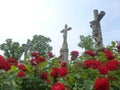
(29, 68)
(42, 66)
(87, 84)
(13, 68)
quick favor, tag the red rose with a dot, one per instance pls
(42, 59)
(1, 58)
(101, 84)
(58, 86)
(22, 67)
(37, 60)
(54, 72)
(74, 55)
(21, 74)
(90, 52)
(103, 70)
(44, 75)
(11, 60)
(92, 64)
(5, 65)
(63, 64)
(108, 54)
(62, 71)
(15, 64)
(35, 54)
(50, 54)
(112, 65)
(33, 62)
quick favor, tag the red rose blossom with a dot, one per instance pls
(44, 75)
(103, 70)
(22, 67)
(15, 64)
(92, 64)
(112, 65)
(35, 54)
(37, 60)
(62, 71)
(63, 64)
(54, 72)
(1, 58)
(5, 65)
(21, 74)
(11, 60)
(33, 62)
(101, 84)
(74, 55)
(108, 54)
(90, 52)
(58, 86)
(50, 54)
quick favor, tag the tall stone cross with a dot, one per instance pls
(96, 29)
(26, 48)
(64, 49)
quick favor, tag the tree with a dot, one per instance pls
(87, 43)
(12, 49)
(41, 44)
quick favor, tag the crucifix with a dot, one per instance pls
(64, 49)
(96, 29)
(26, 48)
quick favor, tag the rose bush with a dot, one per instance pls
(88, 71)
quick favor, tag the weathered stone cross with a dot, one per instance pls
(96, 33)
(64, 49)
(26, 48)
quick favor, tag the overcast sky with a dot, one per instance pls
(21, 19)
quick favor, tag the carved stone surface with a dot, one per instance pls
(26, 48)
(64, 49)
(96, 29)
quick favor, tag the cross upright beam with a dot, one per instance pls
(26, 48)
(64, 49)
(96, 29)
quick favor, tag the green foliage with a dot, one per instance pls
(33, 82)
(78, 77)
(41, 44)
(86, 42)
(12, 49)
(9, 81)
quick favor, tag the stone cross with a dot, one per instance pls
(96, 29)
(26, 48)
(64, 49)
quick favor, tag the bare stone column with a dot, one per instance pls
(96, 29)
(64, 49)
